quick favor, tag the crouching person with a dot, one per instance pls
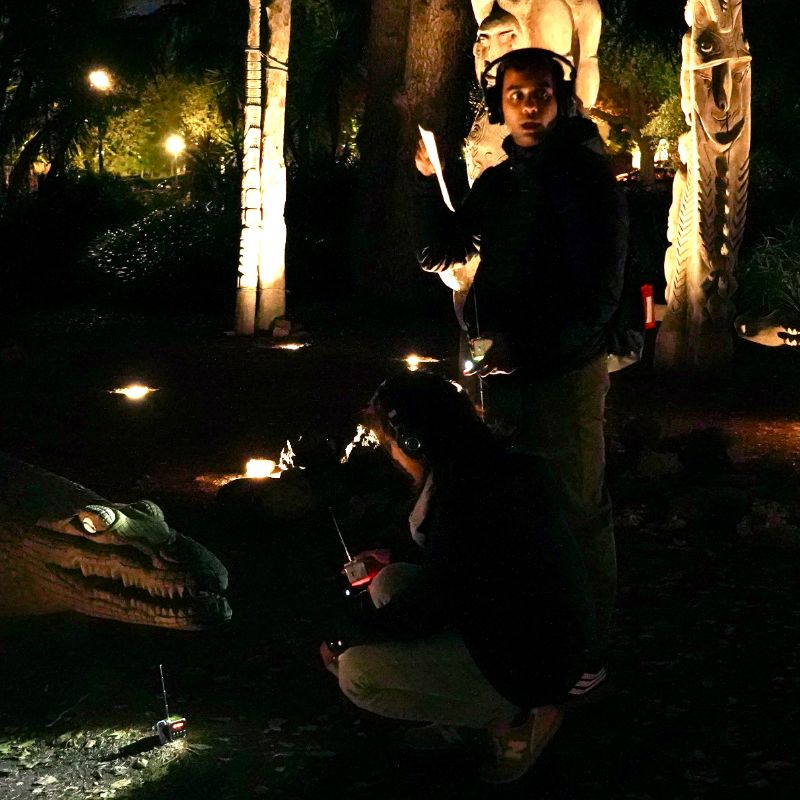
(494, 629)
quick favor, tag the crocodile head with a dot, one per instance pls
(777, 329)
(121, 562)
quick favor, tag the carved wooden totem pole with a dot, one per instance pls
(570, 28)
(709, 201)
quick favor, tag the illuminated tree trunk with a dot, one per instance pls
(250, 240)
(261, 293)
(272, 261)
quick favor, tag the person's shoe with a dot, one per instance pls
(434, 737)
(518, 748)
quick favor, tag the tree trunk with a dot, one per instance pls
(378, 135)
(272, 265)
(436, 71)
(439, 70)
(261, 293)
(250, 240)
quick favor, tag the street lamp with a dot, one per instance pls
(100, 81)
(174, 145)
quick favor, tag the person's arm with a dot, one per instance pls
(442, 239)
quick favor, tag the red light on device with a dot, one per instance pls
(176, 726)
(649, 307)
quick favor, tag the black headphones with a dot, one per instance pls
(564, 86)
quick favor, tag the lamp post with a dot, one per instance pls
(100, 81)
(175, 145)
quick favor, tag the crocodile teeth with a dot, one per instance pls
(791, 331)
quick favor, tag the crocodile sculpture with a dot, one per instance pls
(65, 548)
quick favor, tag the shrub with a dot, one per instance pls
(769, 277)
(178, 257)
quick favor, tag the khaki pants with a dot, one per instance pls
(561, 418)
(432, 679)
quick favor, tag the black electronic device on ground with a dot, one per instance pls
(170, 728)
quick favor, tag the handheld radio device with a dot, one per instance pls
(170, 728)
(355, 571)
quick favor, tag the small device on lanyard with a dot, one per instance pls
(170, 728)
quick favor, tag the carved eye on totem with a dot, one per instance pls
(708, 46)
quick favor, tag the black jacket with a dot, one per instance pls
(501, 568)
(551, 227)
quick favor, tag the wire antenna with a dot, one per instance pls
(164, 691)
(341, 538)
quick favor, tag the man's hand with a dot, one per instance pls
(497, 360)
(329, 658)
(423, 161)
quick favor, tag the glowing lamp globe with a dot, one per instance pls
(100, 79)
(174, 144)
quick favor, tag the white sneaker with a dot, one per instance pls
(518, 748)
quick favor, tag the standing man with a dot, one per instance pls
(550, 226)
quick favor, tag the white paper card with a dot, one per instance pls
(433, 153)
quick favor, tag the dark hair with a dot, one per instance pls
(561, 70)
(433, 420)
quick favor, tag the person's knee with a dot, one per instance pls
(355, 675)
(391, 581)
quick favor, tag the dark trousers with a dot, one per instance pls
(561, 418)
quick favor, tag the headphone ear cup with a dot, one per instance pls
(494, 105)
(410, 444)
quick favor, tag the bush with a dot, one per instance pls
(45, 234)
(769, 277)
(178, 257)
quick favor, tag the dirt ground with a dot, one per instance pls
(706, 653)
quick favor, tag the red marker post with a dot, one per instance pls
(648, 306)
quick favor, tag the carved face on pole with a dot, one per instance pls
(717, 60)
(499, 33)
(510, 24)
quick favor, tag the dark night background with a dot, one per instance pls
(131, 275)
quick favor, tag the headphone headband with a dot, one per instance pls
(528, 51)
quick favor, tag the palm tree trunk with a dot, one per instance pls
(250, 241)
(272, 262)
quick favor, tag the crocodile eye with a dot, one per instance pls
(101, 518)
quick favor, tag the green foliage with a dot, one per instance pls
(667, 121)
(327, 78)
(769, 278)
(134, 140)
(640, 77)
(184, 254)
